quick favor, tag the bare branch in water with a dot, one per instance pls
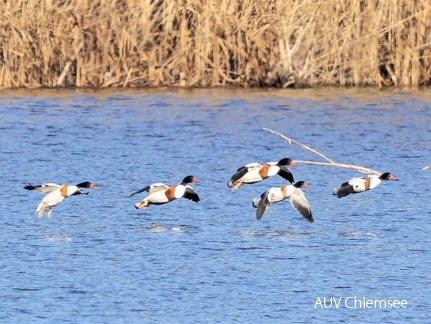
(290, 140)
(330, 162)
(341, 165)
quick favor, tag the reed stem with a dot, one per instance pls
(253, 43)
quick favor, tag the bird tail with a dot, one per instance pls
(255, 202)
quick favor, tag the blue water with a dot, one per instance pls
(99, 260)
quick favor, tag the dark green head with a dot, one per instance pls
(189, 179)
(86, 184)
(301, 184)
(387, 176)
(286, 161)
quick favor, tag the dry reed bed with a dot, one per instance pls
(281, 43)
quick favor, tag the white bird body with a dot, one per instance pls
(252, 174)
(256, 172)
(159, 193)
(55, 194)
(52, 199)
(357, 185)
(277, 194)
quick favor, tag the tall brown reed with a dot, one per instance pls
(282, 43)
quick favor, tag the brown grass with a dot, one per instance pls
(120, 43)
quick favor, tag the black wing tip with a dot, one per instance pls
(80, 193)
(262, 206)
(146, 188)
(29, 187)
(239, 174)
(343, 191)
(286, 174)
(310, 218)
(335, 193)
(191, 195)
(259, 213)
(306, 214)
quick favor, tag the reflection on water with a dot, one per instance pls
(99, 259)
(162, 228)
(357, 234)
(58, 237)
(285, 233)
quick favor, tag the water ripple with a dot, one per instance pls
(99, 260)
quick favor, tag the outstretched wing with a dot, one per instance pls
(152, 188)
(344, 190)
(43, 188)
(354, 185)
(189, 193)
(242, 171)
(79, 192)
(263, 205)
(140, 190)
(250, 166)
(300, 203)
(285, 173)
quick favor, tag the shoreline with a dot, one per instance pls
(221, 93)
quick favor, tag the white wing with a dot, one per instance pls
(43, 188)
(252, 165)
(271, 163)
(151, 188)
(157, 187)
(300, 203)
